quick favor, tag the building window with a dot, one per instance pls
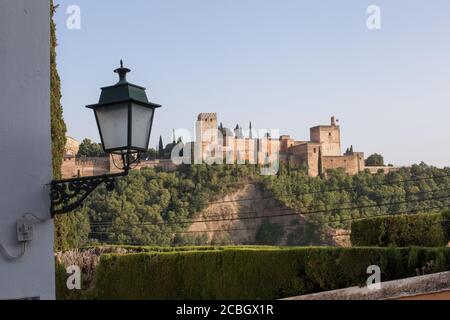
(329, 134)
(315, 150)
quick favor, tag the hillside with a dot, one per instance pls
(236, 205)
(247, 215)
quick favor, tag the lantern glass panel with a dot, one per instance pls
(141, 126)
(113, 125)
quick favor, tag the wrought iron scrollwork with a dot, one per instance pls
(67, 195)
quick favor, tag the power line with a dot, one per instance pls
(317, 191)
(281, 214)
(291, 209)
(318, 211)
(302, 224)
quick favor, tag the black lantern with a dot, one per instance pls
(124, 119)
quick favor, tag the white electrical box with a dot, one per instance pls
(24, 230)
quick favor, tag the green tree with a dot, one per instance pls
(160, 148)
(58, 126)
(151, 154)
(269, 233)
(90, 149)
(375, 160)
(339, 198)
(149, 205)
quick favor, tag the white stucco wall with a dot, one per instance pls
(25, 158)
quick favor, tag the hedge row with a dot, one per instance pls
(268, 273)
(153, 249)
(405, 230)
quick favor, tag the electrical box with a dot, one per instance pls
(24, 230)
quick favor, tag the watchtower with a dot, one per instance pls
(329, 137)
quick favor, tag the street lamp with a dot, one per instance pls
(124, 119)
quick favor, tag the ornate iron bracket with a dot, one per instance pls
(67, 195)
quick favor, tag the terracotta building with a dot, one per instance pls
(214, 143)
(321, 153)
(91, 166)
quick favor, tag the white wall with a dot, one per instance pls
(25, 158)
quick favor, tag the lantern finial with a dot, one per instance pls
(122, 73)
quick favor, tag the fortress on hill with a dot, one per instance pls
(322, 151)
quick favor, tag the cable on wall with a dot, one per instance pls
(10, 256)
(24, 234)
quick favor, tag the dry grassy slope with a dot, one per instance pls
(236, 207)
(249, 201)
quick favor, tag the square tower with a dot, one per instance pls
(207, 146)
(206, 128)
(329, 137)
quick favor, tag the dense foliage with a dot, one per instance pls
(88, 148)
(152, 207)
(413, 230)
(338, 199)
(151, 154)
(269, 233)
(58, 126)
(375, 160)
(250, 273)
(149, 206)
(58, 131)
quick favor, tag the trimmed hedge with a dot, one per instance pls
(137, 249)
(404, 230)
(264, 273)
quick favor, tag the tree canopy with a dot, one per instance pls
(151, 207)
(375, 160)
(57, 126)
(339, 198)
(90, 149)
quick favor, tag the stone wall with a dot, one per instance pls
(69, 168)
(72, 147)
(385, 170)
(307, 153)
(422, 287)
(352, 164)
(85, 167)
(26, 149)
(285, 143)
(165, 164)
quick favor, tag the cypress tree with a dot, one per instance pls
(160, 148)
(58, 129)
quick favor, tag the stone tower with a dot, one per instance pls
(329, 137)
(207, 137)
(206, 128)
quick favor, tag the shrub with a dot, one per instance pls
(261, 273)
(404, 230)
(375, 160)
(269, 233)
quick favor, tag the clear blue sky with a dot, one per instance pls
(286, 65)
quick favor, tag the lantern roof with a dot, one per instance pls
(124, 91)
